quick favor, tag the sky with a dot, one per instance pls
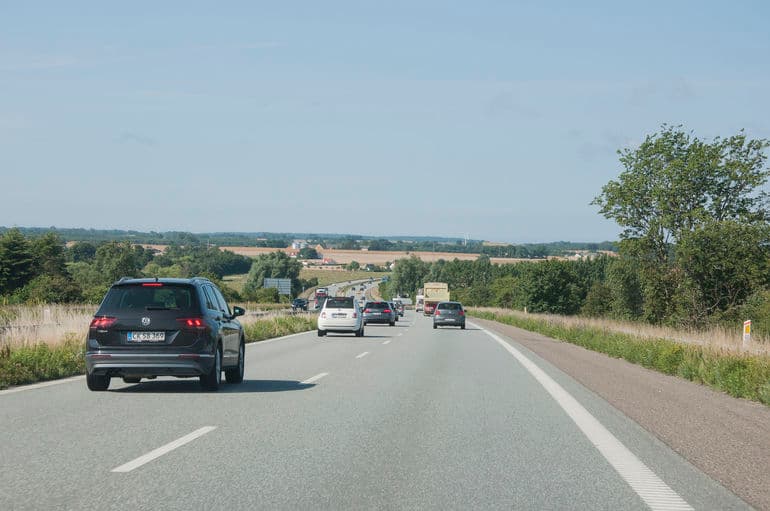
(499, 120)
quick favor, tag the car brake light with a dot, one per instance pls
(367, 311)
(192, 323)
(438, 312)
(355, 314)
(462, 313)
(152, 284)
(102, 322)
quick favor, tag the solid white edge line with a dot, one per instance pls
(314, 378)
(160, 451)
(650, 488)
(362, 355)
(41, 385)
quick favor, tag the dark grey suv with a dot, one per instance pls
(146, 328)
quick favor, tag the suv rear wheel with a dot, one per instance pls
(97, 382)
(235, 375)
(212, 380)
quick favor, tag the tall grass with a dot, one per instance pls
(723, 367)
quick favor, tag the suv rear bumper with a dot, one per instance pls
(148, 364)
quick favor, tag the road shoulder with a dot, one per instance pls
(726, 438)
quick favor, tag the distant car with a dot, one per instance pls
(399, 307)
(299, 304)
(379, 312)
(449, 314)
(340, 314)
(146, 328)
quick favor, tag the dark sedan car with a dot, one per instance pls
(379, 312)
(164, 327)
(299, 304)
(449, 314)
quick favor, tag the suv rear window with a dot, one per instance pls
(377, 305)
(133, 297)
(450, 306)
(339, 303)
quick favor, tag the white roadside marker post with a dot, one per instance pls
(746, 333)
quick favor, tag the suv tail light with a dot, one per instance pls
(387, 311)
(462, 313)
(102, 322)
(438, 312)
(192, 323)
(367, 311)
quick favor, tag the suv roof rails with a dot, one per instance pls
(121, 279)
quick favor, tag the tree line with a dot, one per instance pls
(43, 269)
(694, 251)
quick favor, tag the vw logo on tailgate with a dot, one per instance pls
(145, 321)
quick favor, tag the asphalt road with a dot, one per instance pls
(405, 418)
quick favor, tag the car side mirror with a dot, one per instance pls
(238, 311)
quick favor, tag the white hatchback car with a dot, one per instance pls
(340, 314)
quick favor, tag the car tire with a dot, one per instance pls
(212, 380)
(321, 333)
(235, 375)
(97, 382)
(392, 323)
(131, 380)
(435, 326)
(462, 327)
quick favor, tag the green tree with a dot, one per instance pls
(726, 262)
(408, 276)
(48, 253)
(673, 185)
(308, 253)
(275, 265)
(353, 266)
(17, 263)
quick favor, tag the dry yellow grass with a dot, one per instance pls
(50, 324)
(53, 324)
(719, 339)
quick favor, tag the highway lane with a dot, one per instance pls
(434, 419)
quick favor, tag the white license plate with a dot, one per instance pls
(146, 336)
(339, 315)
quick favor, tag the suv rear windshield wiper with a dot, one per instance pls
(160, 308)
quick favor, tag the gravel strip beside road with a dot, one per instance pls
(725, 437)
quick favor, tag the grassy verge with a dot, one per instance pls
(327, 277)
(40, 362)
(278, 326)
(740, 375)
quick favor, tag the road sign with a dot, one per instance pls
(283, 285)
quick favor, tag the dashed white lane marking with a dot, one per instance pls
(41, 385)
(652, 490)
(160, 451)
(399, 335)
(362, 355)
(314, 378)
(386, 342)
